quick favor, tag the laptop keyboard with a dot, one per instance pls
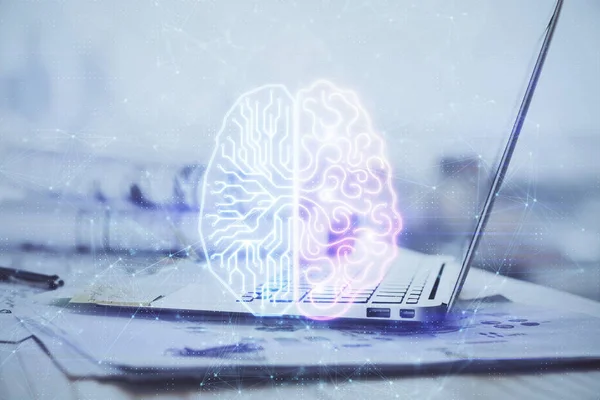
(408, 291)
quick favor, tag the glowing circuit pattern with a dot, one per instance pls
(298, 190)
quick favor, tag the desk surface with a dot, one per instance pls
(26, 371)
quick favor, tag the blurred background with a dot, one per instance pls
(109, 112)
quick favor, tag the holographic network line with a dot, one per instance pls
(298, 190)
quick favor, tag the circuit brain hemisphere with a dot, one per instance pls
(298, 190)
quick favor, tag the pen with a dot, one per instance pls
(19, 275)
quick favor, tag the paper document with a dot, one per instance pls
(11, 331)
(486, 333)
(139, 287)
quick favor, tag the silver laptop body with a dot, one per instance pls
(416, 287)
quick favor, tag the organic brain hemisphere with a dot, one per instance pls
(298, 190)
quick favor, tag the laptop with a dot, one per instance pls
(414, 287)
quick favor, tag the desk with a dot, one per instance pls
(26, 371)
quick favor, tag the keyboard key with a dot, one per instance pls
(309, 299)
(325, 293)
(361, 299)
(288, 297)
(361, 288)
(359, 292)
(271, 289)
(321, 297)
(387, 300)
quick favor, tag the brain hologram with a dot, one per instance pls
(298, 193)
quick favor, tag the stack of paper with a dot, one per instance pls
(116, 342)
